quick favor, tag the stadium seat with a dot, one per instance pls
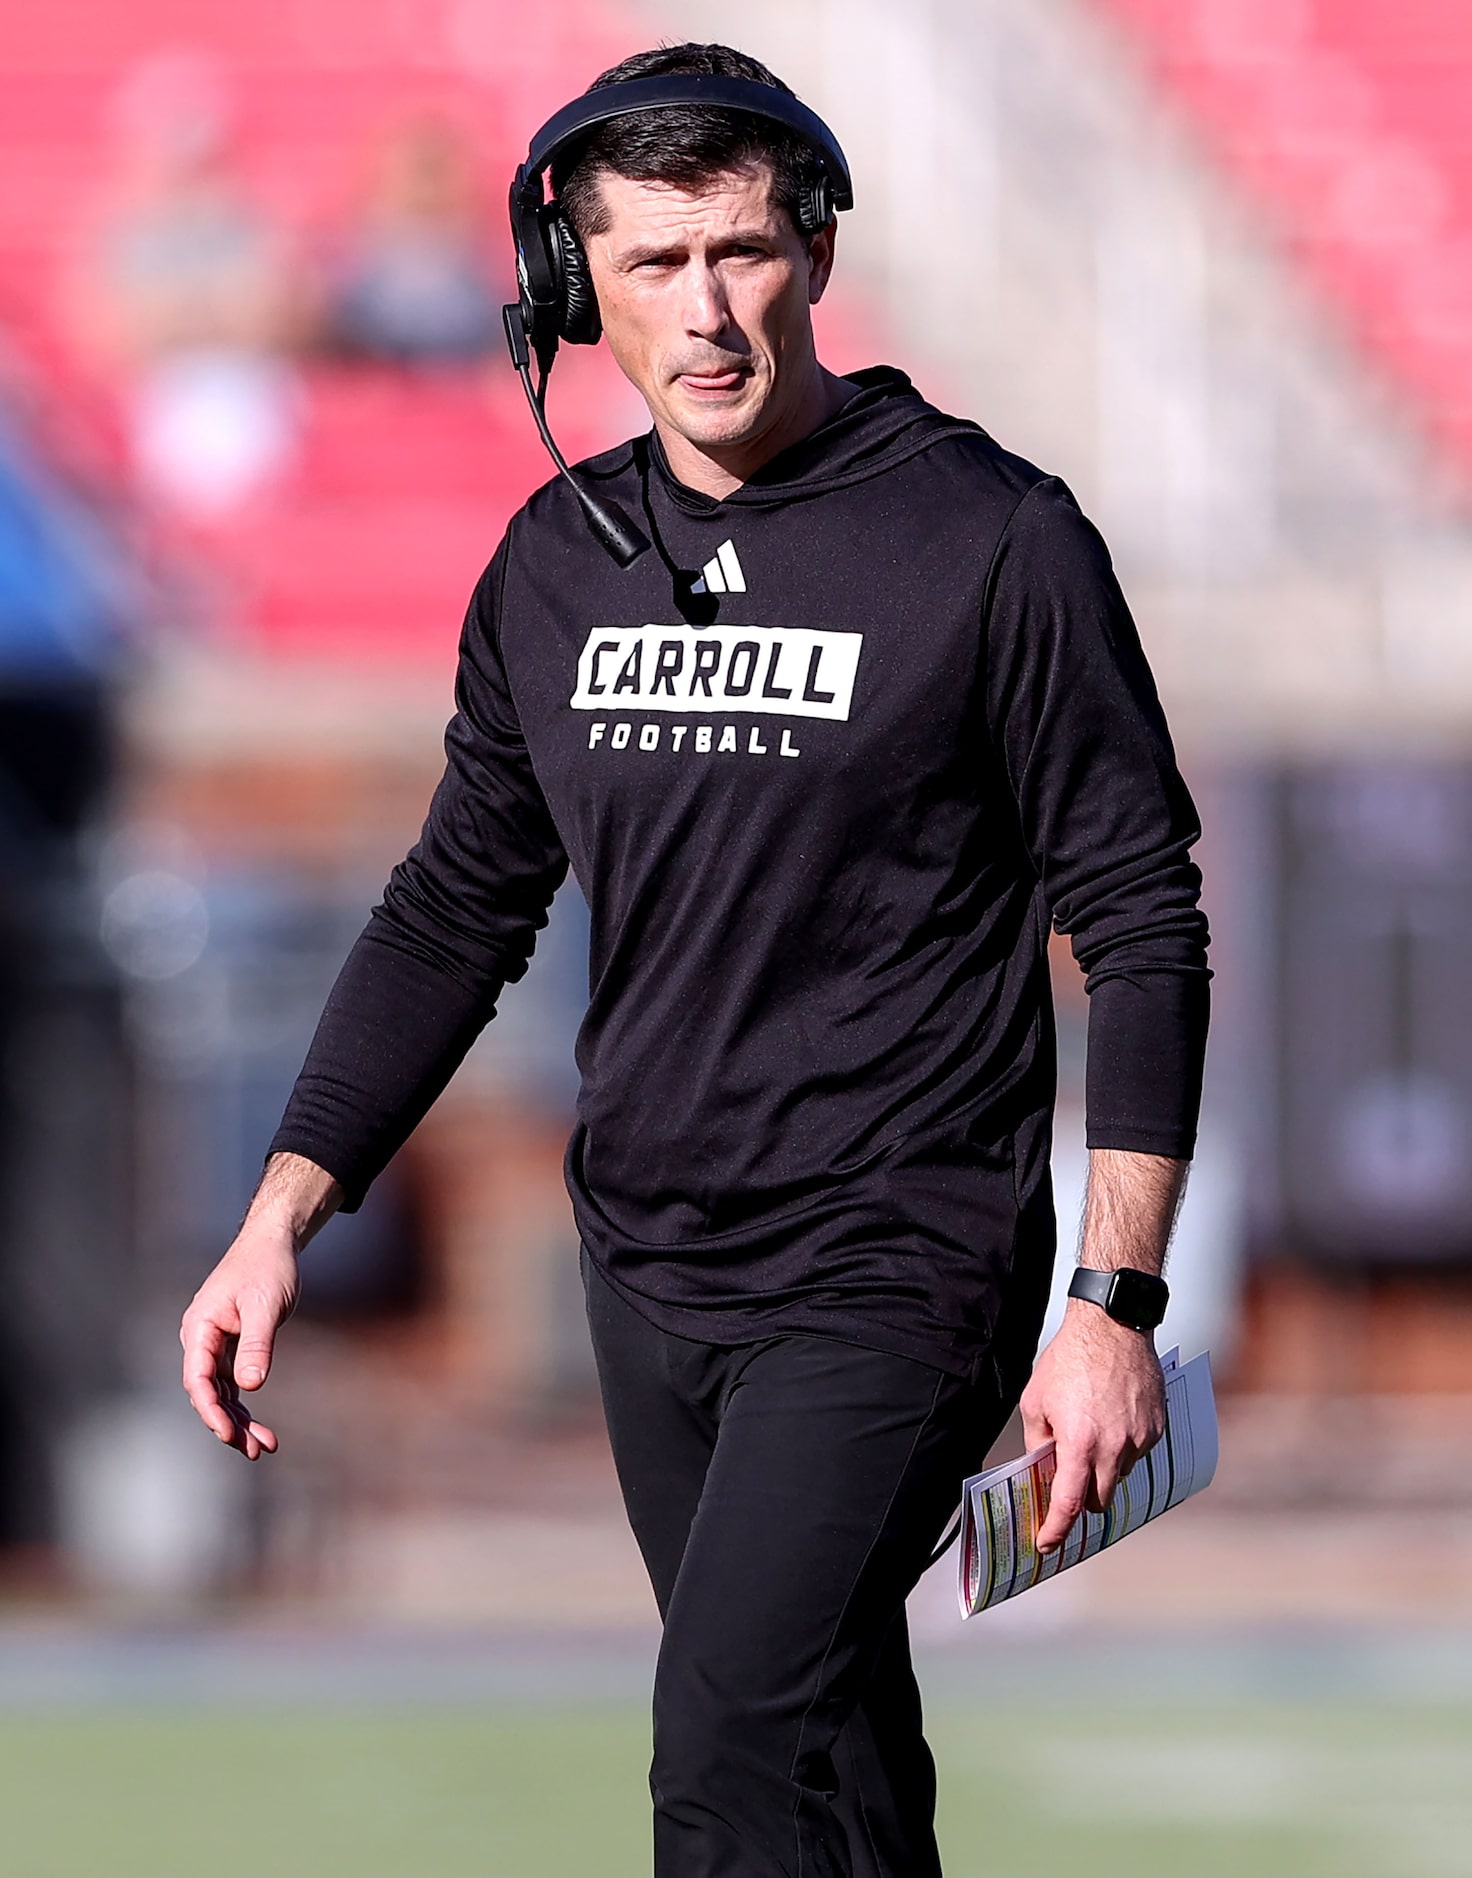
(400, 484)
(1349, 123)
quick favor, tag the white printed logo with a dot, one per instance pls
(723, 574)
(783, 671)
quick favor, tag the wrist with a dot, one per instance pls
(294, 1199)
(276, 1226)
(1085, 1320)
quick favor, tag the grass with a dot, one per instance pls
(1350, 1792)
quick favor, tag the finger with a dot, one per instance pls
(250, 1437)
(203, 1343)
(236, 1431)
(239, 1436)
(257, 1336)
(203, 1338)
(229, 1397)
(1036, 1428)
(1066, 1501)
(1102, 1482)
(255, 1436)
(1108, 1473)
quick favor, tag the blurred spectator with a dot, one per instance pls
(190, 293)
(414, 286)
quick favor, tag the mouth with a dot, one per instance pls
(714, 384)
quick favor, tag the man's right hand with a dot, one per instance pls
(229, 1330)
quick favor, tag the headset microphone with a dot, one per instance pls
(624, 540)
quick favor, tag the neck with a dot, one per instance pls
(715, 470)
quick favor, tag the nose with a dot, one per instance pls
(707, 311)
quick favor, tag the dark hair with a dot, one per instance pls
(685, 145)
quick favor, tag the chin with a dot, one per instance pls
(720, 429)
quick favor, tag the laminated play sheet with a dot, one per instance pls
(1002, 1509)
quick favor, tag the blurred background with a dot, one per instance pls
(1210, 260)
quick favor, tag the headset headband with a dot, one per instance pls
(726, 94)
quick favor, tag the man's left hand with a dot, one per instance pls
(1097, 1392)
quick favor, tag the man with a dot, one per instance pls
(894, 718)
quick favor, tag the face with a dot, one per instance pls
(706, 301)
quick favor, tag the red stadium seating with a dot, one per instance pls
(1352, 122)
(402, 483)
(402, 487)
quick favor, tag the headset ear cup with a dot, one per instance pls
(582, 323)
(536, 274)
(816, 206)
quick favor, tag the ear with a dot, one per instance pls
(820, 260)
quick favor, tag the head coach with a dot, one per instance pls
(891, 722)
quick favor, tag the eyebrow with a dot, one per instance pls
(657, 250)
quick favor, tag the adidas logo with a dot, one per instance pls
(722, 574)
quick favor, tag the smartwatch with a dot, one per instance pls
(1136, 1299)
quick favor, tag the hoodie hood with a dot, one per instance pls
(884, 422)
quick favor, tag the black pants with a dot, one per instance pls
(786, 1496)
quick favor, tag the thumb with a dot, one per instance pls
(253, 1348)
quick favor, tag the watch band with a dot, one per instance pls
(1134, 1298)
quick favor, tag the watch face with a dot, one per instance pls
(1137, 1299)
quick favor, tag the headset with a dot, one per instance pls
(557, 302)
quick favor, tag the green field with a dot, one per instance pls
(1355, 1791)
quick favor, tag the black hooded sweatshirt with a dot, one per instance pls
(825, 764)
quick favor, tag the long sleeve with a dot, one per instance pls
(457, 921)
(1104, 816)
